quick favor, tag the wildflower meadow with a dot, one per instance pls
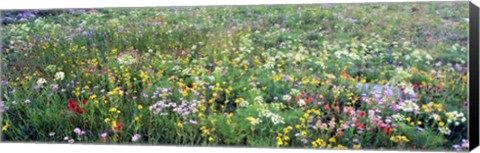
(320, 76)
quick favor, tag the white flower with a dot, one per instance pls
(276, 119)
(436, 117)
(455, 117)
(409, 106)
(295, 92)
(286, 97)
(398, 117)
(301, 102)
(59, 75)
(244, 104)
(126, 60)
(409, 90)
(445, 130)
(259, 99)
(41, 81)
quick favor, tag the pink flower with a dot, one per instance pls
(78, 131)
(135, 137)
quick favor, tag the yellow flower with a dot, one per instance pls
(419, 122)
(5, 127)
(409, 119)
(179, 124)
(279, 142)
(339, 147)
(399, 139)
(321, 142)
(210, 139)
(303, 133)
(113, 109)
(93, 97)
(441, 124)
(137, 118)
(357, 146)
(139, 107)
(332, 140)
(107, 120)
(114, 123)
(252, 120)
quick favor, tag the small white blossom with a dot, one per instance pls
(244, 104)
(409, 106)
(286, 97)
(445, 130)
(41, 81)
(259, 99)
(59, 75)
(301, 102)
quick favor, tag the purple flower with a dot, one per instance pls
(420, 129)
(305, 141)
(465, 143)
(27, 101)
(457, 147)
(193, 122)
(54, 86)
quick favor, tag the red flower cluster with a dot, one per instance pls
(386, 128)
(73, 106)
(119, 126)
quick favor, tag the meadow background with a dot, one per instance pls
(336, 76)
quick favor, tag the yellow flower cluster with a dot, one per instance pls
(319, 143)
(399, 139)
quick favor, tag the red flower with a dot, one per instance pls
(73, 106)
(79, 110)
(360, 126)
(362, 113)
(310, 99)
(84, 101)
(327, 107)
(382, 126)
(388, 130)
(340, 134)
(303, 92)
(336, 108)
(119, 126)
